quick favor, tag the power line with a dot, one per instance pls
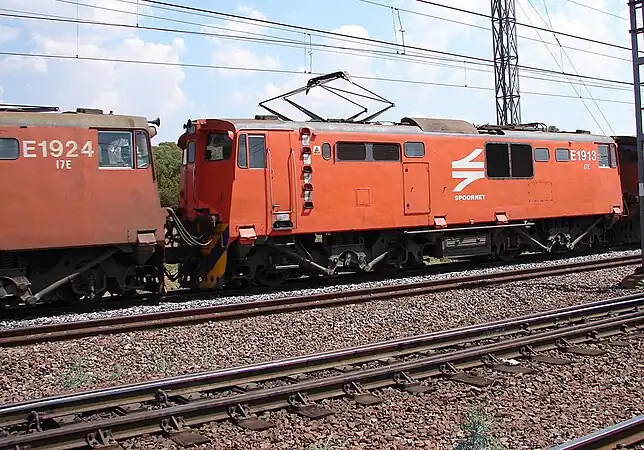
(597, 10)
(573, 67)
(561, 33)
(281, 71)
(372, 40)
(279, 42)
(480, 27)
(557, 62)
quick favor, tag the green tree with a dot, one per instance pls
(167, 161)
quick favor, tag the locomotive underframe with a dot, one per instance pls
(78, 274)
(271, 260)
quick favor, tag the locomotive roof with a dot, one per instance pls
(72, 119)
(416, 126)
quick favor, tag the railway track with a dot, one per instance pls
(112, 303)
(171, 406)
(128, 323)
(623, 435)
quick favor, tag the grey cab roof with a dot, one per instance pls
(71, 119)
(417, 127)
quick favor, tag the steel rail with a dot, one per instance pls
(121, 324)
(404, 374)
(621, 435)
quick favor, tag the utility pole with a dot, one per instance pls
(637, 31)
(506, 59)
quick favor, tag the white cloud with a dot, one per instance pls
(8, 33)
(125, 88)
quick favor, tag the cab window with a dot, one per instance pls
(115, 150)
(9, 148)
(219, 147)
(257, 151)
(190, 154)
(142, 150)
(242, 152)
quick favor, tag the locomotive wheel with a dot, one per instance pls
(69, 294)
(268, 276)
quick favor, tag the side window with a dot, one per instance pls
(142, 150)
(184, 156)
(219, 147)
(191, 152)
(604, 158)
(497, 160)
(521, 164)
(326, 151)
(541, 154)
(115, 150)
(9, 148)
(613, 155)
(257, 151)
(562, 154)
(242, 152)
(385, 152)
(414, 149)
(350, 151)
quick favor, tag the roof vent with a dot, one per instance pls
(89, 111)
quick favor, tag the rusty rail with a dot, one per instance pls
(621, 435)
(190, 406)
(121, 324)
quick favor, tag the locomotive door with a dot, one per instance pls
(416, 186)
(187, 179)
(280, 173)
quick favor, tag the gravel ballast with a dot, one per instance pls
(341, 287)
(531, 412)
(59, 367)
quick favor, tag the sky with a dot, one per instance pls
(140, 58)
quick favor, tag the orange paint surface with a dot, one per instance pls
(409, 193)
(67, 201)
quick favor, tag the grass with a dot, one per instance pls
(477, 428)
(76, 376)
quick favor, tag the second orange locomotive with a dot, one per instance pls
(280, 198)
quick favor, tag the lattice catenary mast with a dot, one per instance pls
(506, 59)
(636, 8)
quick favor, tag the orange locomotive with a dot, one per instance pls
(81, 212)
(278, 198)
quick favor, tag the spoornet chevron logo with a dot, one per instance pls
(468, 169)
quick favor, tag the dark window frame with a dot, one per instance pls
(368, 147)
(132, 149)
(607, 157)
(17, 149)
(326, 151)
(249, 147)
(407, 155)
(148, 149)
(547, 150)
(567, 150)
(226, 157)
(189, 153)
(510, 167)
(242, 137)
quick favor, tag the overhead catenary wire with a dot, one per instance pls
(410, 58)
(574, 68)
(534, 27)
(592, 8)
(480, 27)
(362, 39)
(283, 71)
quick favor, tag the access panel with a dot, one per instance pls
(416, 186)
